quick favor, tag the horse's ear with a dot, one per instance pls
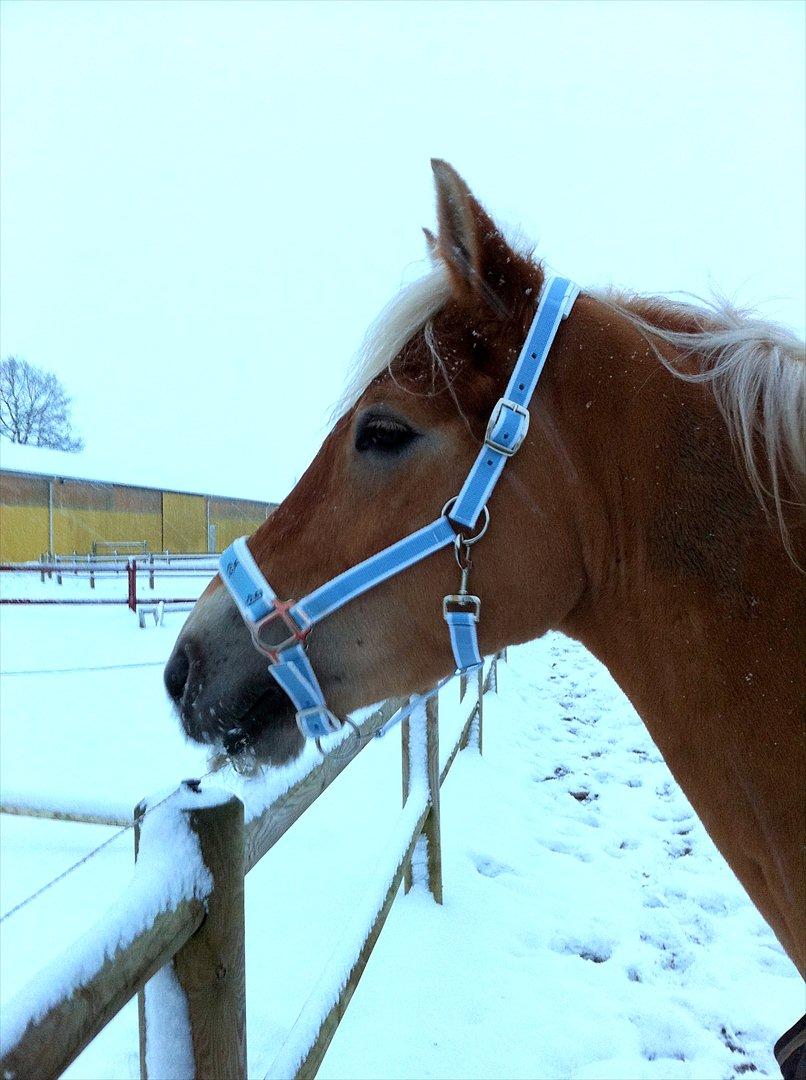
(481, 263)
(431, 243)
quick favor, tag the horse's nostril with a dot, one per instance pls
(176, 673)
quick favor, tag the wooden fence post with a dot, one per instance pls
(421, 764)
(473, 734)
(480, 717)
(405, 751)
(432, 830)
(210, 966)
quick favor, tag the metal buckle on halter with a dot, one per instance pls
(329, 722)
(280, 610)
(515, 441)
(462, 602)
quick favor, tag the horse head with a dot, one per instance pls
(410, 426)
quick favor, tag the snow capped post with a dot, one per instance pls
(480, 718)
(193, 1012)
(473, 735)
(420, 734)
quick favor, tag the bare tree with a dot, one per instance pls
(34, 407)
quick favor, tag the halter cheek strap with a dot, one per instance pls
(509, 420)
(279, 628)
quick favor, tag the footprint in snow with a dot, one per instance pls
(718, 903)
(561, 848)
(590, 820)
(676, 816)
(677, 850)
(733, 1041)
(491, 868)
(596, 950)
(618, 851)
(558, 774)
(671, 955)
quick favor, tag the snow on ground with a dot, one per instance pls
(55, 737)
(589, 929)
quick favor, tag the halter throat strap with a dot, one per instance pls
(279, 628)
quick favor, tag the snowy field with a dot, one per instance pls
(589, 930)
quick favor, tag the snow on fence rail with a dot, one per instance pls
(182, 920)
(80, 808)
(160, 608)
(93, 566)
(131, 569)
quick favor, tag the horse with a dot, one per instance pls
(654, 513)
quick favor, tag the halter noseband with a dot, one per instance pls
(279, 628)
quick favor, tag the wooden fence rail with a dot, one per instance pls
(198, 939)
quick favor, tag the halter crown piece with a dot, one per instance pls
(279, 627)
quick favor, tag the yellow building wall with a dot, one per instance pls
(184, 522)
(85, 512)
(23, 533)
(229, 529)
(76, 529)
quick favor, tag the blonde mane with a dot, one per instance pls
(757, 372)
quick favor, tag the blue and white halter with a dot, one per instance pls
(279, 627)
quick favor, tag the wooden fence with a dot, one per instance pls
(197, 940)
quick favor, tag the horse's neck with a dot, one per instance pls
(692, 604)
(718, 686)
(700, 668)
(689, 590)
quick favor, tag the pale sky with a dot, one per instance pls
(203, 205)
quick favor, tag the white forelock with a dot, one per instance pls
(404, 315)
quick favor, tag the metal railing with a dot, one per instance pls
(94, 566)
(135, 547)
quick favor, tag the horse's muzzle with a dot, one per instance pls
(249, 715)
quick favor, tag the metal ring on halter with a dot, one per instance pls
(346, 720)
(469, 540)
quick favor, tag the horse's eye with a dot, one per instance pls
(383, 435)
